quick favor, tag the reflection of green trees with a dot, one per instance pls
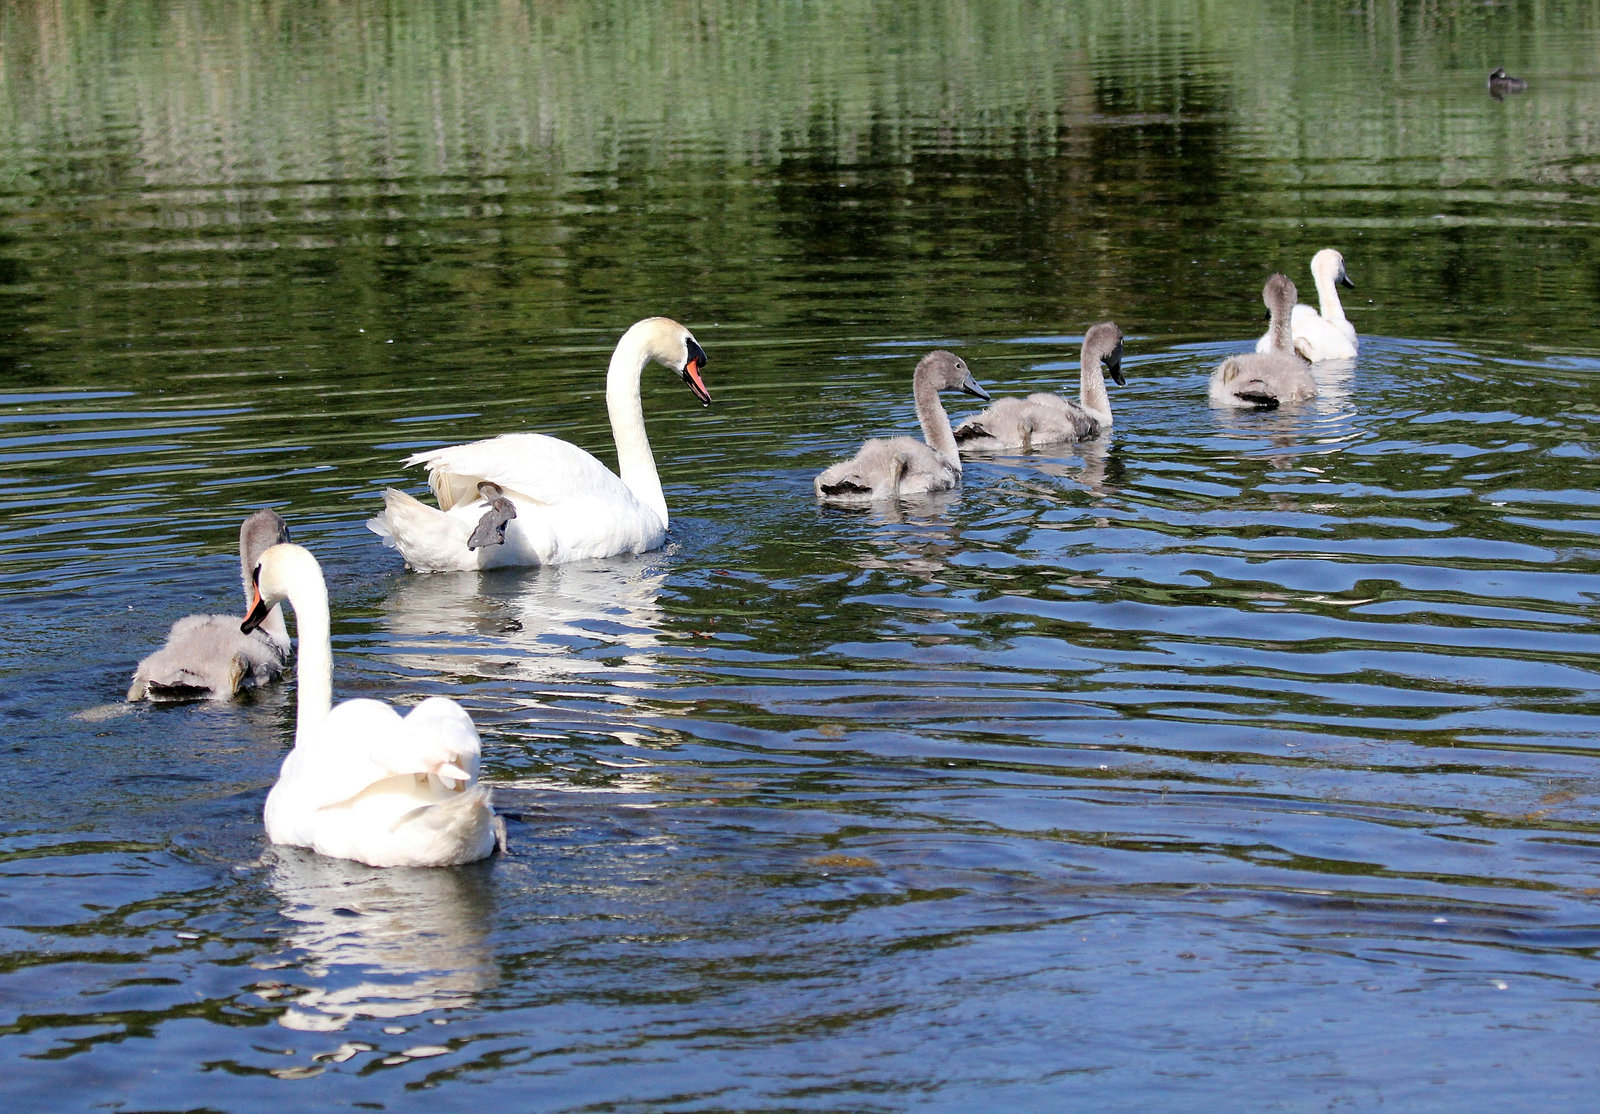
(484, 171)
(204, 92)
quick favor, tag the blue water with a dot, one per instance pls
(1237, 758)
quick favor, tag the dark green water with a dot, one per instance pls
(1238, 758)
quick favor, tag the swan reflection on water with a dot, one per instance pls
(379, 944)
(530, 625)
(1089, 464)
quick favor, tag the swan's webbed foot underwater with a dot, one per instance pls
(491, 528)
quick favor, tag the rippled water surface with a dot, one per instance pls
(1238, 758)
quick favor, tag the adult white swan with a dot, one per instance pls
(363, 782)
(207, 656)
(1326, 334)
(529, 499)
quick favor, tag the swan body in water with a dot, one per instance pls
(1044, 418)
(1324, 333)
(529, 499)
(1266, 380)
(207, 656)
(364, 782)
(886, 468)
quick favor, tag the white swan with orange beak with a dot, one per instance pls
(529, 499)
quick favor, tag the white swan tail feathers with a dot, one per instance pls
(429, 539)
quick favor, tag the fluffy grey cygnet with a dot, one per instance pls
(1044, 418)
(1267, 380)
(887, 468)
(206, 657)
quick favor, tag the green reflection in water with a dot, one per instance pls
(486, 172)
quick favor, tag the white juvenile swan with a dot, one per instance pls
(529, 499)
(1043, 418)
(1328, 334)
(362, 782)
(1265, 380)
(206, 656)
(885, 468)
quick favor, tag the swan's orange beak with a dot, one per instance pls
(691, 373)
(258, 609)
(691, 376)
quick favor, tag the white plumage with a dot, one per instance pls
(564, 505)
(364, 782)
(1324, 334)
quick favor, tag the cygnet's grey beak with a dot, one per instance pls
(970, 385)
(1114, 366)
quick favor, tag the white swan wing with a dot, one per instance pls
(366, 754)
(333, 762)
(364, 742)
(1319, 338)
(443, 742)
(530, 467)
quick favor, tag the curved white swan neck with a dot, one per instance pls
(1325, 270)
(1092, 394)
(931, 414)
(308, 595)
(636, 465)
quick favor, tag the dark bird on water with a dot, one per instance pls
(1501, 83)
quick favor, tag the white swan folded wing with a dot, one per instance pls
(384, 789)
(532, 467)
